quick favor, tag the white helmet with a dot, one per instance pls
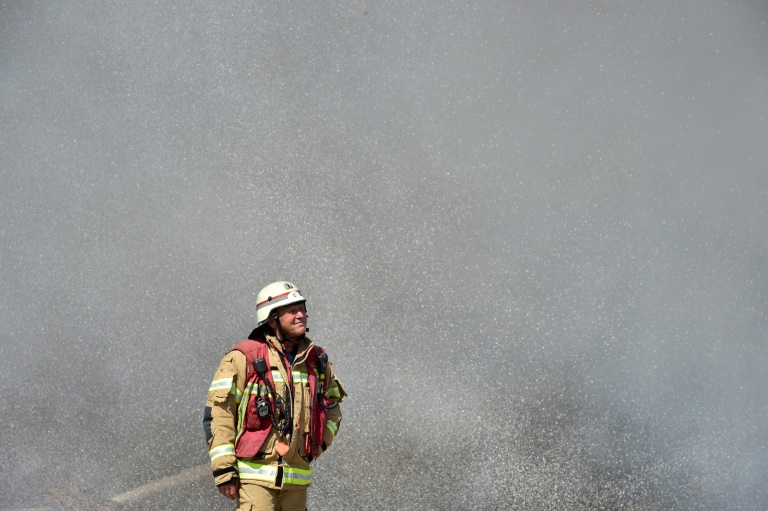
(277, 294)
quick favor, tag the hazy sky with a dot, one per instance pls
(532, 235)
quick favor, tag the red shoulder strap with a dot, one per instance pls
(253, 349)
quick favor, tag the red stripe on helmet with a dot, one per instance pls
(278, 296)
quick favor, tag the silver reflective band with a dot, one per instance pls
(222, 450)
(224, 383)
(297, 476)
(250, 470)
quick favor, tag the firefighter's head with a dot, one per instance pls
(282, 308)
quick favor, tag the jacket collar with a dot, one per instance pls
(305, 343)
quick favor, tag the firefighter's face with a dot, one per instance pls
(293, 320)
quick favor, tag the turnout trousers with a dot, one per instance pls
(252, 497)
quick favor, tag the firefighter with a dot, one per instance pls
(272, 408)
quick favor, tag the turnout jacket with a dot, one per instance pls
(279, 461)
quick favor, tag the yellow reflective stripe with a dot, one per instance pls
(224, 383)
(222, 450)
(277, 377)
(298, 476)
(251, 470)
(299, 377)
(261, 390)
(332, 426)
(332, 393)
(242, 399)
(241, 411)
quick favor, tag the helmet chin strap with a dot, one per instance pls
(279, 331)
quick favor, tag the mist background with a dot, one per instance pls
(532, 235)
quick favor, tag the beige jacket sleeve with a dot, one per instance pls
(335, 392)
(220, 419)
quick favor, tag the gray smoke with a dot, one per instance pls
(532, 236)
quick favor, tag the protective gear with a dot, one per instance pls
(255, 497)
(243, 445)
(277, 294)
(257, 426)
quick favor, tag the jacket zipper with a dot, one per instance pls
(289, 372)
